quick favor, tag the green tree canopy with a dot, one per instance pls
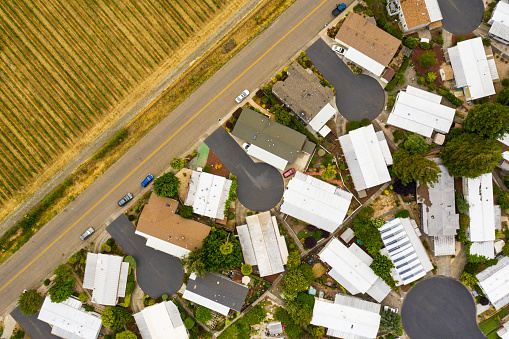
(329, 172)
(194, 263)
(293, 260)
(166, 185)
(319, 331)
(415, 144)
(203, 314)
(63, 284)
(409, 167)
(410, 42)
(469, 279)
(179, 163)
(246, 269)
(115, 317)
(126, 335)
(213, 258)
(427, 59)
(294, 282)
(470, 155)
(29, 302)
(281, 115)
(503, 96)
(303, 315)
(382, 266)
(391, 322)
(131, 261)
(367, 233)
(187, 212)
(489, 120)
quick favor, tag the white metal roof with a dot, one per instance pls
(469, 58)
(161, 321)
(433, 10)
(479, 195)
(106, 275)
(349, 269)
(364, 61)
(348, 317)
(500, 29)
(444, 245)
(164, 246)
(275, 328)
(324, 131)
(261, 241)
(499, 21)
(413, 111)
(267, 157)
(384, 147)
(207, 193)
(69, 317)
(365, 158)
(316, 202)
(215, 306)
(322, 117)
(494, 281)
(405, 250)
(483, 248)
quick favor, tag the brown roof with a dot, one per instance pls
(368, 39)
(388, 74)
(415, 13)
(302, 92)
(449, 75)
(435, 24)
(159, 220)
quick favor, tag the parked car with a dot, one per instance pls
(339, 50)
(128, 197)
(242, 96)
(339, 8)
(246, 146)
(291, 171)
(390, 309)
(87, 233)
(147, 180)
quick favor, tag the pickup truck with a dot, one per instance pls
(339, 8)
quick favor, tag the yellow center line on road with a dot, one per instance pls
(164, 143)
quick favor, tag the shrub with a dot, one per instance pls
(165, 297)
(179, 163)
(421, 80)
(411, 42)
(47, 282)
(310, 242)
(398, 135)
(129, 289)
(431, 87)
(203, 314)
(461, 204)
(106, 248)
(427, 59)
(29, 302)
(187, 212)
(505, 82)
(131, 261)
(207, 169)
(311, 228)
(353, 125)
(402, 214)
(486, 42)
(365, 122)
(460, 39)
(83, 297)
(440, 40)
(444, 91)
(166, 185)
(89, 308)
(246, 269)
(114, 141)
(464, 221)
(231, 216)
(425, 45)
(189, 323)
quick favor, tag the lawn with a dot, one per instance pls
(493, 323)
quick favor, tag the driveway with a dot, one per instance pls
(32, 326)
(461, 16)
(260, 186)
(357, 96)
(157, 272)
(440, 307)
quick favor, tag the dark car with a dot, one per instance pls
(339, 8)
(147, 180)
(87, 233)
(128, 197)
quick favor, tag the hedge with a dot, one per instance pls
(444, 91)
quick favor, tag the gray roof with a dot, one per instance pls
(438, 205)
(275, 328)
(219, 289)
(259, 130)
(302, 92)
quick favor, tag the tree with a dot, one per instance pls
(131, 261)
(390, 322)
(126, 335)
(505, 249)
(63, 284)
(461, 204)
(469, 155)
(212, 256)
(294, 282)
(303, 315)
(469, 279)
(330, 172)
(187, 212)
(310, 242)
(115, 317)
(489, 120)
(179, 163)
(166, 185)
(503, 96)
(415, 144)
(246, 269)
(83, 297)
(382, 266)
(365, 122)
(411, 167)
(194, 263)
(431, 77)
(427, 59)
(29, 302)
(203, 314)
(293, 260)
(317, 331)
(368, 234)
(411, 42)
(281, 115)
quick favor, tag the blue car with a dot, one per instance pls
(147, 180)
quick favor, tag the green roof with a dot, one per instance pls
(261, 131)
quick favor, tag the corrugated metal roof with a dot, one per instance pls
(161, 321)
(347, 317)
(316, 202)
(275, 328)
(322, 117)
(444, 245)
(503, 333)
(66, 316)
(382, 142)
(267, 157)
(348, 268)
(103, 275)
(246, 244)
(494, 281)
(365, 158)
(405, 250)
(420, 115)
(124, 271)
(207, 193)
(499, 21)
(479, 194)
(364, 61)
(164, 246)
(483, 248)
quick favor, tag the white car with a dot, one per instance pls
(390, 309)
(339, 50)
(245, 146)
(242, 96)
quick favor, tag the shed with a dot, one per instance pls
(275, 328)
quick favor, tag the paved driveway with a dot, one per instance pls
(32, 326)
(260, 186)
(357, 96)
(461, 16)
(157, 273)
(440, 307)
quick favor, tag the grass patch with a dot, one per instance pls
(490, 325)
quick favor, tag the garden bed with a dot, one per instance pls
(439, 56)
(215, 166)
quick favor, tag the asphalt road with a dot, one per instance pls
(157, 272)
(440, 307)
(32, 326)
(461, 16)
(260, 186)
(358, 96)
(175, 135)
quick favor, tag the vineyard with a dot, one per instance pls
(65, 64)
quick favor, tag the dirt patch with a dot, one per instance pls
(384, 204)
(184, 176)
(439, 56)
(318, 270)
(229, 46)
(216, 166)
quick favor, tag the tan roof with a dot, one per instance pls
(159, 220)
(435, 24)
(415, 13)
(368, 39)
(449, 75)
